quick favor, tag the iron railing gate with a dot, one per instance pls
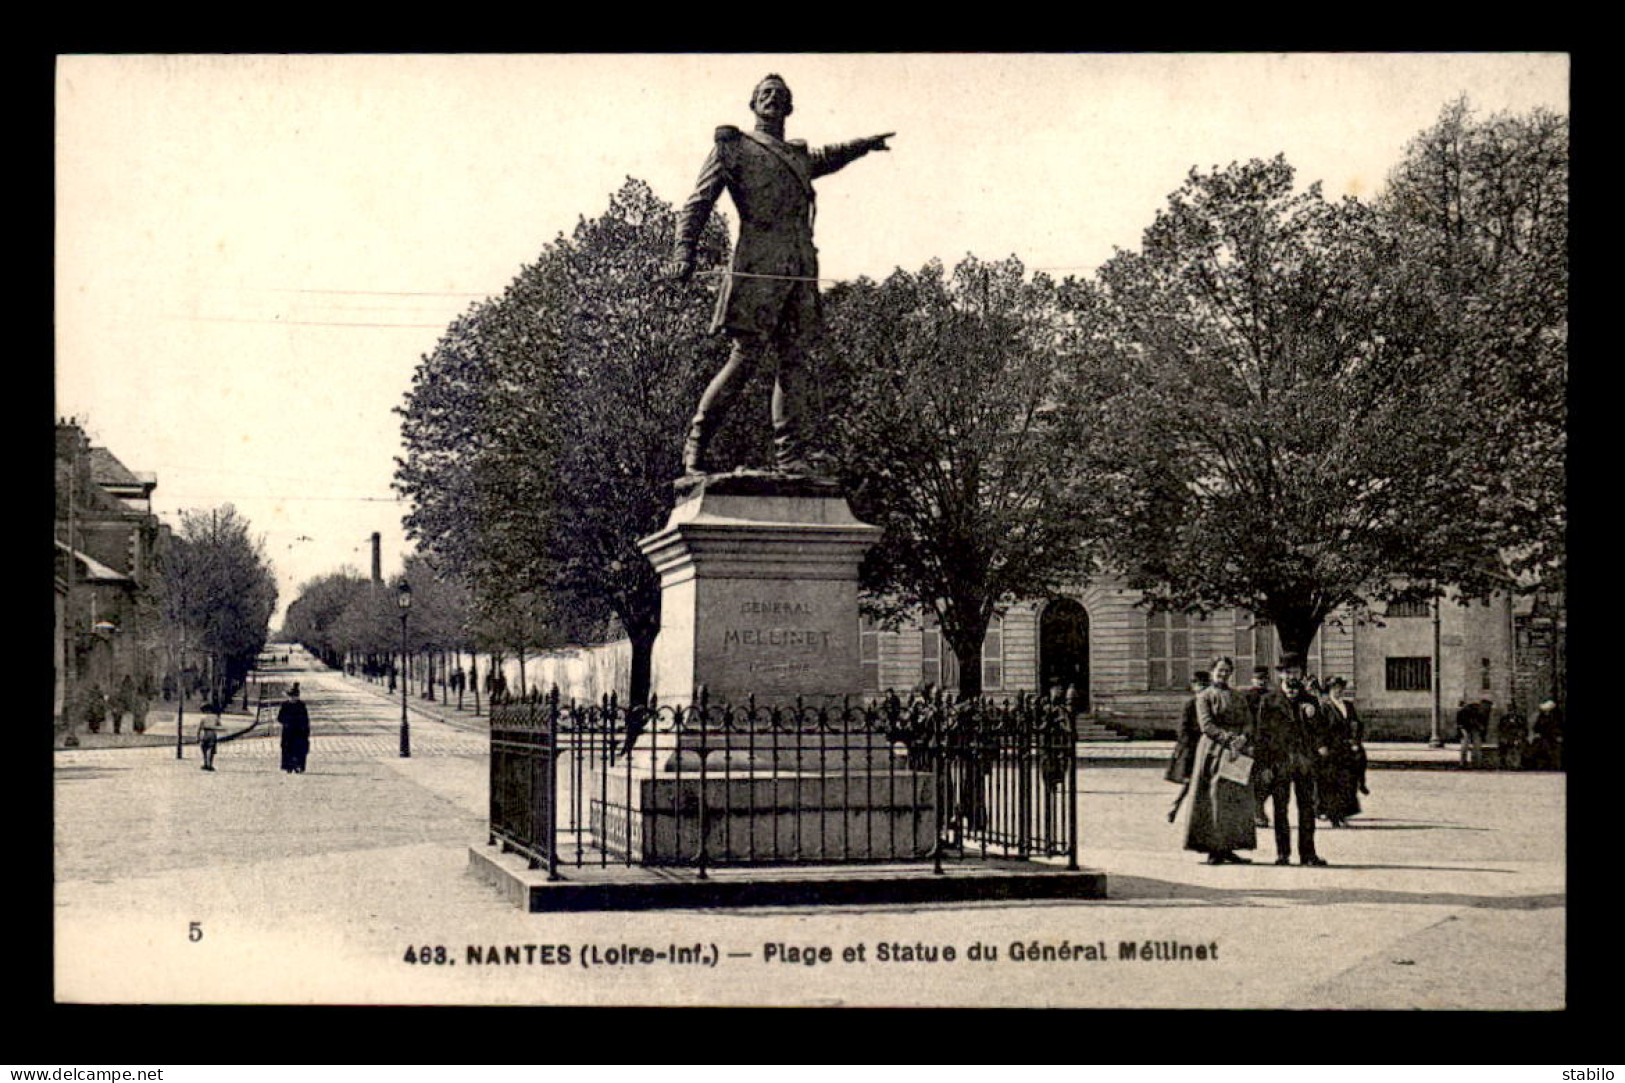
(715, 784)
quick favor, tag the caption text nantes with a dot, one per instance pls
(591, 956)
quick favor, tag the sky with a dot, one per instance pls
(254, 252)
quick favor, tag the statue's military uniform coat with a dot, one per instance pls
(770, 181)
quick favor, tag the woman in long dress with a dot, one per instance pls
(1219, 814)
(295, 723)
(1342, 772)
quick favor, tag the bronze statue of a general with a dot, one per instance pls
(769, 298)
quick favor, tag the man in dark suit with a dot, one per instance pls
(1287, 747)
(769, 299)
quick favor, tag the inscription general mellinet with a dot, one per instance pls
(807, 639)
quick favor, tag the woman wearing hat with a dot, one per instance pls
(1218, 817)
(1341, 774)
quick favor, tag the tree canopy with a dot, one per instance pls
(1283, 431)
(1479, 207)
(948, 422)
(219, 590)
(543, 433)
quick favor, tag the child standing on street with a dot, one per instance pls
(208, 734)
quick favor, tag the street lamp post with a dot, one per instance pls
(1435, 735)
(404, 600)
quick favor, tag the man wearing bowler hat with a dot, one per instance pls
(1288, 746)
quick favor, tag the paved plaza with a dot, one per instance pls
(251, 885)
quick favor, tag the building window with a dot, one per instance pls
(1413, 608)
(1410, 674)
(869, 653)
(993, 655)
(931, 653)
(1167, 651)
(1255, 645)
(1484, 675)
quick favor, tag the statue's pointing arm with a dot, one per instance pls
(826, 160)
(697, 210)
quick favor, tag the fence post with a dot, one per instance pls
(704, 720)
(493, 784)
(938, 764)
(1072, 791)
(552, 783)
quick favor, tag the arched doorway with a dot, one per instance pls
(1063, 648)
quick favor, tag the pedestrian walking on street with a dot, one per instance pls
(1510, 734)
(1184, 757)
(208, 733)
(1548, 744)
(295, 722)
(123, 702)
(1472, 725)
(1342, 771)
(1219, 818)
(1287, 748)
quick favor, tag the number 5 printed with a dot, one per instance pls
(195, 933)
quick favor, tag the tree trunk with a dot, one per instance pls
(643, 648)
(1297, 628)
(970, 671)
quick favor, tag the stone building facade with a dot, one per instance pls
(107, 560)
(1133, 667)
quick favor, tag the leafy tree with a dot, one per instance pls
(320, 616)
(1282, 433)
(543, 433)
(1480, 208)
(220, 590)
(946, 396)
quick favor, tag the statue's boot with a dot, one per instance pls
(694, 448)
(788, 455)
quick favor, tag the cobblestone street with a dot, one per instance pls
(1448, 892)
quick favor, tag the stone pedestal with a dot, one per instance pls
(766, 818)
(759, 581)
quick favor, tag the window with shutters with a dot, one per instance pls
(993, 655)
(869, 653)
(1413, 608)
(1167, 651)
(1255, 644)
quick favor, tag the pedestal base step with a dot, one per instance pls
(635, 887)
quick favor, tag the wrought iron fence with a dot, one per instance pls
(719, 784)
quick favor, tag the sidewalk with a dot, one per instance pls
(416, 704)
(1392, 754)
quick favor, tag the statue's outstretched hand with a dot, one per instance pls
(878, 142)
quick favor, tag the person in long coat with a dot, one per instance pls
(295, 722)
(1340, 775)
(1184, 756)
(1218, 817)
